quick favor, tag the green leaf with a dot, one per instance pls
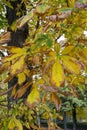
(43, 8)
(43, 39)
(25, 19)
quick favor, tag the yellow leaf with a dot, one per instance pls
(21, 78)
(71, 64)
(18, 66)
(82, 55)
(45, 115)
(16, 52)
(71, 3)
(67, 49)
(14, 123)
(33, 98)
(41, 9)
(57, 74)
(27, 72)
(57, 47)
(13, 90)
(85, 52)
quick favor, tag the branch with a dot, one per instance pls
(65, 15)
(3, 93)
(80, 6)
(57, 17)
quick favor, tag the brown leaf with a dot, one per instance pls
(22, 90)
(36, 60)
(4, 67)
(56, 100)
(49, 88)
(5, 37)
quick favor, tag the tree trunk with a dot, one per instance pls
(65, 121)
(17, 37)
(74, 118)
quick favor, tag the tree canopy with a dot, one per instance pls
(43, 61)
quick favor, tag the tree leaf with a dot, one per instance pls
(71, 64)
(14, 123)
(33, 98)
(57, 77)
(25, 19)
(19, 50)
(56, 100)
(22, 90)
(4, 67)
(41, 9)
(67, 50)
(21, 78)
(16, 52)
(4, 38)
(18, 66)
(82, 55)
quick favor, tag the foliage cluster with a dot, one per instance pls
(44, 62)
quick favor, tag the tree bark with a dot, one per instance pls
(17, 37)
(74, 118)
(65, 121)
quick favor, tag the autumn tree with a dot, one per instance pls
(51, 64)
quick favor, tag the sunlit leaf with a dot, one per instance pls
(43, 8)
(21, 78)
(25, 19)
(57, 77)
(57, 47)
(16, 52)
(14, 123)
(67, 49)
(18, 66)
(83, 55)
(71, 64)
(33, 98)
(13, 91)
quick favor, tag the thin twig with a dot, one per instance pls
(3, 93)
